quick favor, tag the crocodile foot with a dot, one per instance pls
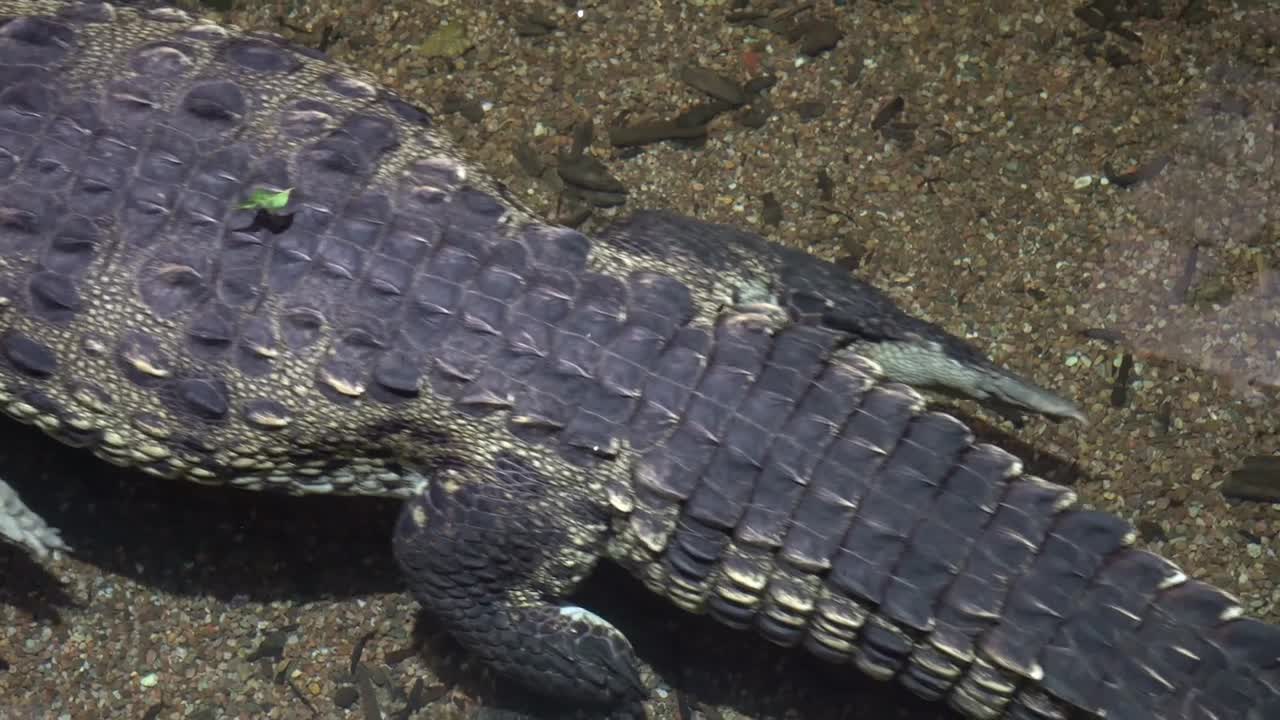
(482, 550)
(21, 526)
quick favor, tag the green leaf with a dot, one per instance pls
(267, 200)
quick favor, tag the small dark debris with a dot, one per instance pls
(1181, 288)
(647, 133)
(269, 221)
(379, 676)
(301, 696)
(1092, 41)
(399, 655)
(759, 84)
(854, 72)
(346, 696)
(451, 103)
(528, 159)
(535, 24)
(1151, 531)
(1127, 34)
(756, 115)
(901, 132)
(272, 646)
(940, 144)
(819, 36)
(1092, 17)
(154, 711)
(772, 211)
(1196, 12)
(1137, 174)
(1120, 387)
(357, 651)
(421, 696)
(1164, 417)
(472, 110)
(702, 114)
(575, 217)
(826, 186)
(415, 696)
(584, 132)
(848, 263)
(1109, 16)
(713, 84)
(1230, 103)
(747, 17)
(282, 676)
(684, 706)
(588, 173)
(1110, 9)
(1067, 474)
(368, 696)
(1151, 9)
(887, 112)
(1118, 58)
(1107, 335)
(1249, 537)
(596, 198)
(219, 5)
(810, 110)
(1258, 478)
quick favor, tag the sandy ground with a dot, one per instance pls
(982, 205)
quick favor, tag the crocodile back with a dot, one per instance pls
(226, 258)
(157, 313)
(148, 313)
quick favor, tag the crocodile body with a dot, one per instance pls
(731, 420)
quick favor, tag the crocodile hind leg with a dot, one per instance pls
(490, 552)
(20, 525)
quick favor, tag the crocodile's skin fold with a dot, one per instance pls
(729, 419)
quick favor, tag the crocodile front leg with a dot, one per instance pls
(488, 550)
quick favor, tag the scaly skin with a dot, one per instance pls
(713, 411)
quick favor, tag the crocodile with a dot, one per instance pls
(738, 424)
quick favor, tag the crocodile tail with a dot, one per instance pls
(838, 514)
(1089, 623)
(945, 566)
(972, 582)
